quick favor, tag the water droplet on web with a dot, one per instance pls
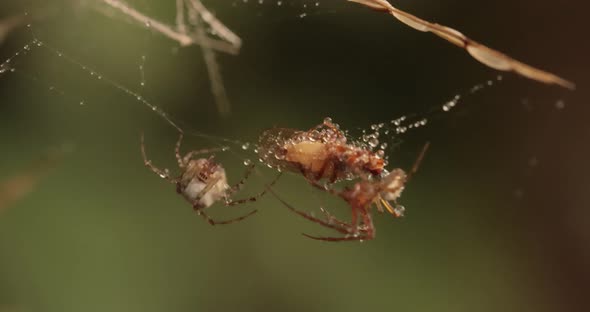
(373, 142)
(327, 120)
(82, 103)
(245, 146)
(399, 210)
(560, 104)
(247, 162)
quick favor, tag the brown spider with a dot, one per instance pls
(319, 153)
(203, 181)
(361, 196)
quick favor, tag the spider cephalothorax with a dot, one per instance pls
(203, 181)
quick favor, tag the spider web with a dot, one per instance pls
(383, 94)
(194, 24)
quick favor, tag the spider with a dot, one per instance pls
(319, 153)
(361, 196)
(203, 182)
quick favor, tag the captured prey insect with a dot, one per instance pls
(203, 181)
(319, 153)
(361, 196)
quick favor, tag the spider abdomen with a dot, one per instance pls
(193, 192)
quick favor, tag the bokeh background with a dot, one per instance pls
(497, 219)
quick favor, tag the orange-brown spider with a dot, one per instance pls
(203, 182)
(319, 153)
(361, 196)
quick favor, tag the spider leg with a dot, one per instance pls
(214, 222)
(322, 187)
(418, 161)
(181, 162)
(339, 228)
(230, 202)
(368, 229)
(210, 184)
(212, 150)
(148, 163)
(236, 187)
(368, 223)
(332, 219)
(338, 239)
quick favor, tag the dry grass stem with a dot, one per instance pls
(196, 17)
(480, 52)
(184, 39)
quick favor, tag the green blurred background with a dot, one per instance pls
(497, 219)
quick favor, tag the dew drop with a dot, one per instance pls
(247, 162)
(399, 210)
(560, 104)
(245, 146)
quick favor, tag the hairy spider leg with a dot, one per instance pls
(370, 232)
(331, 217)
(183, 161)
(201, 213)
(229, 202)
(418, 161)
(148, 163)
(213, 222)
(354, 218)
(337, 227)
(238, 186)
